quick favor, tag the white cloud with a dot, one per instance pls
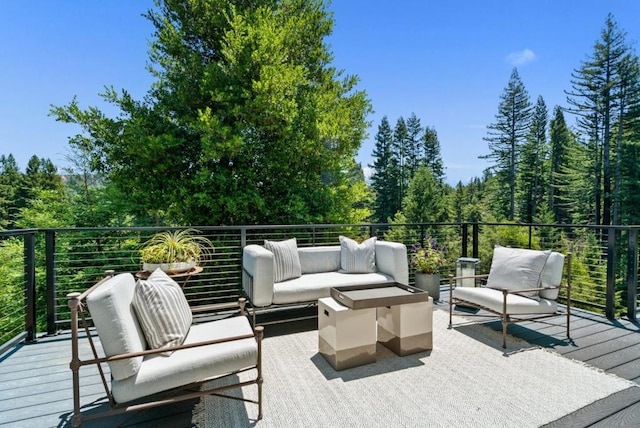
(521, 57)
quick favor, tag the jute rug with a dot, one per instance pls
(467, 380)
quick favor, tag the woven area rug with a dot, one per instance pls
(467, 380)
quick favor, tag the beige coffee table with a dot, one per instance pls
(354, 318)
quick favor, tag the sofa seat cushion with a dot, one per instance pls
(314, 286)
(160, 373)
(493, 299)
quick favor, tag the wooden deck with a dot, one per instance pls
(35, 380)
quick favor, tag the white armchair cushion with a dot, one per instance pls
(163, 311)
(517, 269)
(552, 276)
(113, 315)
(194, 364)
(285, 258)
(357, 258)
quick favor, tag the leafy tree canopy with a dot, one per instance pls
(247, 121)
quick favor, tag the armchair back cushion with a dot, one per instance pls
(517, 269)
(552, 276)
(115, 320)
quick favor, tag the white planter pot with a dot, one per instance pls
(429, 282)
(177, 267)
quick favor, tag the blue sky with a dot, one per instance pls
(447, 61)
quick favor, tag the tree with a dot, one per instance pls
(400, 138)
(10, 182)
(506, 135)
(432, 157)
(531, 168)
(425, 202)
(560, 141)
(599, 100)
(412, 145)
(383, 178)
(247, 122)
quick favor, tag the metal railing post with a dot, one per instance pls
(475, 244)
(30, 318)
(50, 263)
(465, 237)
(632, 275)
(610, 307)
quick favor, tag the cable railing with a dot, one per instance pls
(39, 267)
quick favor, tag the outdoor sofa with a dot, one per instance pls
(281, 274)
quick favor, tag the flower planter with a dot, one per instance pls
(177, 267)
(429, 282)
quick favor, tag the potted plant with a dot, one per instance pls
(426, 262)
(174, 251)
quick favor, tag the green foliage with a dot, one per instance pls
(176, 246)
(428, 259)
(247, 123)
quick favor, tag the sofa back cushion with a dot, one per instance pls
(357, 258)
(111, 307)
(517, 269)
(552, 276)
(286, 261)
(319, 259)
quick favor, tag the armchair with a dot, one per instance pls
(202, 353)
(522, 285)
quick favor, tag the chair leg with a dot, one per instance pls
(504, 332)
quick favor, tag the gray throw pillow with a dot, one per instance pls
(286, 261)
(163, 311)
(357, 258)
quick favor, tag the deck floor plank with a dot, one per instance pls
(35, 379)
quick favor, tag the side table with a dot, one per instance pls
(406, 329)
(346, 337)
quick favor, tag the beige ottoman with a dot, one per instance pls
(346, 337)
(406, 329)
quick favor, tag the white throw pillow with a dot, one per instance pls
(517, 269)
(163, 311)
(286, 260)
(357, 258)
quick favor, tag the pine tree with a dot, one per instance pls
(560, 139)
(531, 167)
(412, 145)
(597, 98)
(383, 178)
(506, 135)
(432, 157)
(400, 138)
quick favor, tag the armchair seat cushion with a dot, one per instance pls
(516, 304)
(159, 373)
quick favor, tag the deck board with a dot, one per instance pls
(35, 378)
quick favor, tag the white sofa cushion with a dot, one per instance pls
(517, 269)
(285, 258)
(314, 286)
(552, 276)
(357, 258)
(159, 373)
(493, 299)
(113, 315)
(163, 311)
(319, 259)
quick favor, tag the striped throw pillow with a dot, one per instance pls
(163, 311)
(357, 258)
(286, 260)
